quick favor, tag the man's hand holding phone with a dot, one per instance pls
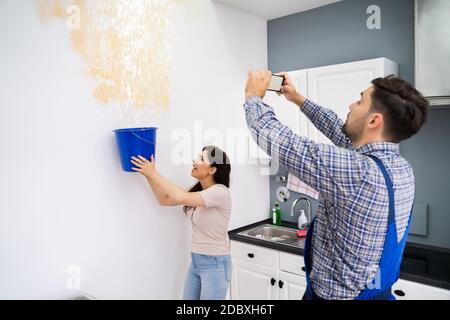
(259, 82)
(289, 91)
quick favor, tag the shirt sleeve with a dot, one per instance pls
(327, 122)
(335, 172)
(216, 196)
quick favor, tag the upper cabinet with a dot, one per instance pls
(335, 87)
(338, 86)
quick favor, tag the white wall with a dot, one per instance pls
(64, 199)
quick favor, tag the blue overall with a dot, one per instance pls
(389, 266)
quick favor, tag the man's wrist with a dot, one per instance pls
(253, 100)
(299, 100)
(249, 95)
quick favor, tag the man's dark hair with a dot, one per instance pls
(403, 107)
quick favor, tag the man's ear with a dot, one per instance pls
(375, 120)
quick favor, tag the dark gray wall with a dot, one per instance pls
(429, 154)
(337, 33)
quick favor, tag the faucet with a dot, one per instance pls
(308, 212)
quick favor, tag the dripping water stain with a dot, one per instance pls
(124, 45)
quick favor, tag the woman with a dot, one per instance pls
(208, 206)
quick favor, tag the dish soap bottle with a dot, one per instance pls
(276, 214)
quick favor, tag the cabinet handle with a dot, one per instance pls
(303, 269)
(399, 293)
(280, 284)
(251, 255)
(272, 281)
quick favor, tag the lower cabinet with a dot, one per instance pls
(292, 286)
(253, 282)
(265, 274)
(409, 290)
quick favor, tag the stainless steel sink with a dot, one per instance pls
(276, 234)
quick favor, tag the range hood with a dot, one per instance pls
(432, 42)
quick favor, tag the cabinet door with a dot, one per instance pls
(253, 282)
(292, 263)
(408, 290)
(338, 86)
(293, 286)
(288, 113)
(254, 254)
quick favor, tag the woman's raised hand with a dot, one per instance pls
(145, 167)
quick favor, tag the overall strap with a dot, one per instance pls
(390, 189)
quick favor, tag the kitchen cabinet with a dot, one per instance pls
(335, 87)
(409, 290)
(265, 274)
(292, 286)
(255, 272)
(338, 86)
(251, 281)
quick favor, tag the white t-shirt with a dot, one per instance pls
(210, 223)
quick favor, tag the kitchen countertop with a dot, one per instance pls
(421, 263)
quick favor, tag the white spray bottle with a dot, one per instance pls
(302, 220)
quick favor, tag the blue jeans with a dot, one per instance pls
(208, 277)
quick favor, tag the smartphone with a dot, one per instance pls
(276, 83)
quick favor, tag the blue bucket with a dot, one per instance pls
(134, 142)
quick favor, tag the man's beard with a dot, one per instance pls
(354, 134)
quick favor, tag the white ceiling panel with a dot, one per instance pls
(272, 9)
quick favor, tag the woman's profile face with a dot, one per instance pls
(201, 168)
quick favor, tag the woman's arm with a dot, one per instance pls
(163, 198)
(176, 194)
(167, 192)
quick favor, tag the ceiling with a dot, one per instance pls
(272, 9)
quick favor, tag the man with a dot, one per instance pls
(354, 245)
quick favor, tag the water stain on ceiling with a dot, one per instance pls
(124, 45)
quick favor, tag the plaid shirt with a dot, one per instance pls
(351, 220)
